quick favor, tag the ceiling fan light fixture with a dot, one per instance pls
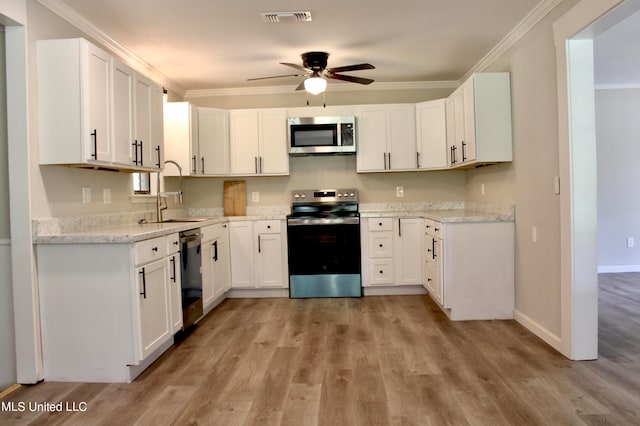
(315, 85)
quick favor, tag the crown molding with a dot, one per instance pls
(273, 90)
(528, 22)
(70, 15)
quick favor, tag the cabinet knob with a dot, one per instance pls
(154, 249)
(268, 226)
(382, 272)
(379, 223)
(380, 245)
(175, 243)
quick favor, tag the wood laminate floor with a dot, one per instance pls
(392, 360)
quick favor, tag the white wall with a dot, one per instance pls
(617, 130)
(529, 179)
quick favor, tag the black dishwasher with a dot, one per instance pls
(191, 280)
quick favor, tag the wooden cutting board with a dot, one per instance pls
(235, 198)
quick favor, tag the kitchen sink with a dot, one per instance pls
(187, 219)
(176, 220)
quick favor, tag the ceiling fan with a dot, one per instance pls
(315, 71)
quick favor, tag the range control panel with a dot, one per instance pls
(344, 195)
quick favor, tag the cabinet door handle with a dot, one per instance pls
(399, 228)
(259, 248)
(144, 284)
(94, 136)
(384, 158)
(464, 151)
(193, 160)
(215, 250)
(141, 154)
(255, 164)
(433, 248)
(417, 160)
(173, 268)
(159, 163)
(389, 154)
(260, 164)
(134, 144)
(202, 161)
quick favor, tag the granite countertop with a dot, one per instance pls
(125, 228)
(446, 216)
(134, 232)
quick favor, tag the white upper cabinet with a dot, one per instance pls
(213, 141)
(197, 138)
(179, 137)
(431, 134)
(74, 101)
(259, 142)
(386, 138)
(123, 117)
(93, 110)
(147, 136)
(479, 113)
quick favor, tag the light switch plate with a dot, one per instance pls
(255, 196)
(399, 191)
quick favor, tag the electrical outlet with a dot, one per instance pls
(106, 195)
(534, 234)
(86, 195)
(399, 191)
(630, 242)
(255, 196)
(482, 189)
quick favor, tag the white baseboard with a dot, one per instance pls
(603, 269)
(239, 293)
(551, 339)
(394, 290)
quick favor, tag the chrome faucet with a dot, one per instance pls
(159, 206)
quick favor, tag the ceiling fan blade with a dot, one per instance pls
(349, 78)
(352, 68)
(276, 76)
(301, 85)
(296, 66)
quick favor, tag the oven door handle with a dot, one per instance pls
(332, 221)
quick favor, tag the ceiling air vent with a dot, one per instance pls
(275, 17)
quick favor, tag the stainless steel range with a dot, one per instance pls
(323, 232)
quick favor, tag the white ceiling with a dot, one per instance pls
(208, 44)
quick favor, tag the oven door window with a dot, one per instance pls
(324, 249)
(309, 135)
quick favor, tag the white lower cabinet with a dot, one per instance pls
(258, 254)
(174, 283)
(433, 261)
(105, 309)
(392, 251)
(215, 263)
(471, 268)
(153, 306)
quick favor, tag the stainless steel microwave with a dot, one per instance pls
(322, 135)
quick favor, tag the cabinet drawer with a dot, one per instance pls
(380, 224)
(173, 243)
(381, 271)
(211, 232)
(267, 227)
(433, 228)
(149, 250)
(381, 244)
